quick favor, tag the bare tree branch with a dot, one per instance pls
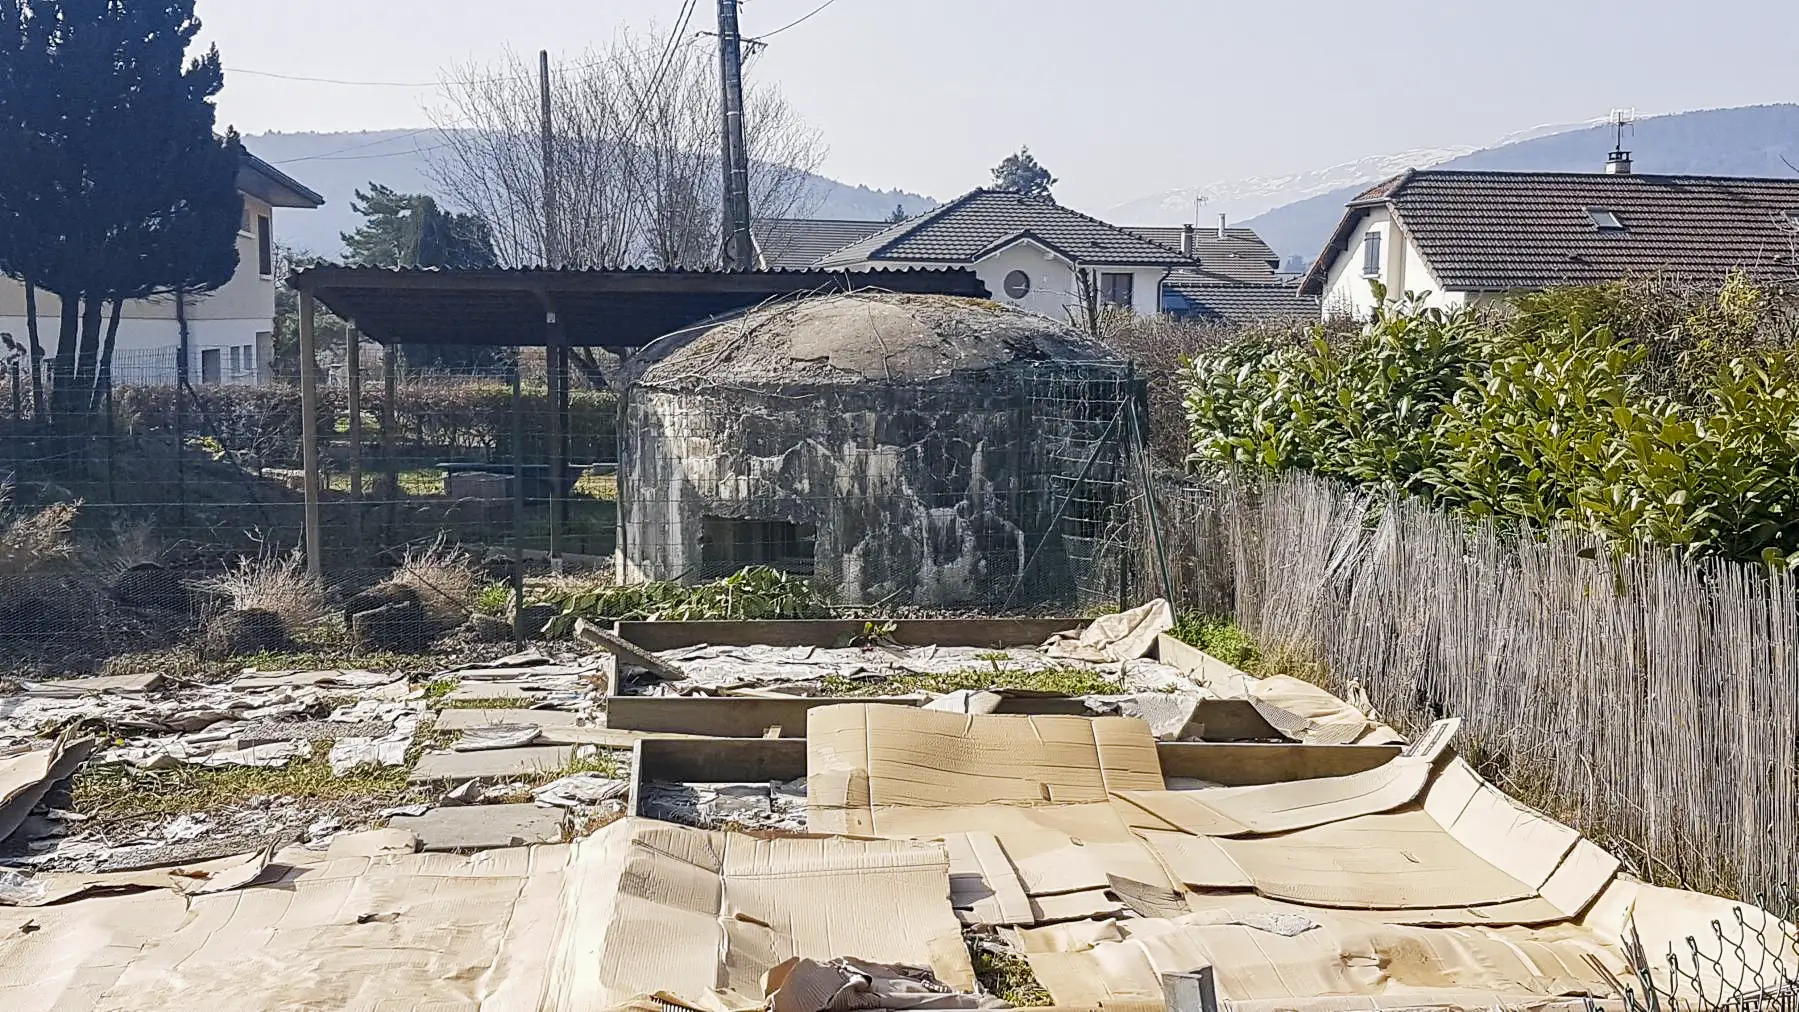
(637, 160)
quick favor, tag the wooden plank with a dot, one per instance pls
(713, 761)
(1236, 764)
(995, 633)
(753, 716)
(750, 760)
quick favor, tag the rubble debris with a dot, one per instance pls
(581, 790)
(149, 585)
(491, 737)
(777, 806)
(469, 719)
(483, 827)
(807, 985)
(398, 627)
(243, 633)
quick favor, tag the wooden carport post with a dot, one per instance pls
(309, 432)
(556, 366)
(353, 399)
(390, 474)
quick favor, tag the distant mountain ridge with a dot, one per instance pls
(337, 164)
(1745, 141)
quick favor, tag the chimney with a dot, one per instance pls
(1617, 163)
(1221, 232)
(1187, 242)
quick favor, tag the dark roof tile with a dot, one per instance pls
(1195, 295)
(794, 243)
(1499, 231)
(964, 228)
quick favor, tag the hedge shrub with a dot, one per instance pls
(1569, 410)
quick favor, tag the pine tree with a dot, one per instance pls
(411, 230)
(1020, 173)
(114, 184)
(899, 214)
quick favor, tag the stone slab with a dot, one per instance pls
(504, 764)
(462, 720)
(482, 827)
(537, 692)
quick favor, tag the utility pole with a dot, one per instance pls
(551, 255)
(739, 255)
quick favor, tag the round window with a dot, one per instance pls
(1018, 284)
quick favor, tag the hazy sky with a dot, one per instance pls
(1119, 98)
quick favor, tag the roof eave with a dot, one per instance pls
(274, 187)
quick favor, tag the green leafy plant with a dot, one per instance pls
(756, 593)
(1633, 413)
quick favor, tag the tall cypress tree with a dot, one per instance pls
(114, 185)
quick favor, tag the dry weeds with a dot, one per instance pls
(274, 583)
(445, 579)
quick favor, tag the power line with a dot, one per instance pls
(331, 155)
(400, 84)
(795, 24)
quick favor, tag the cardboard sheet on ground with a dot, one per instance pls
(1300, 804)
(670, 908)
(26, 778)
(863, 759)
(638, 908)
(1109, 639)
(1020, 801)
(1341, 963)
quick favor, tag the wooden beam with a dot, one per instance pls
(353, 401)
(993, 633)
(309, 431)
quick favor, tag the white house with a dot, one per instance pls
(1029, 252)
(1462, 238)
(230, 331)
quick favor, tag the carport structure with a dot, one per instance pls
(557, 310)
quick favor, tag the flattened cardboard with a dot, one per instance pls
(861, 759)
(1197, 862)
(686, 910)
(1321, 968)
(1385, 861)
(1281, 808)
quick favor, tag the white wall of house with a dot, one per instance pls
(1403, 269)
(1055, 288)
(229, 330)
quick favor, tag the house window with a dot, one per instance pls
(249, 359)
(237, 360)
(1371, 255)
(1116, 289)
(1018, 285)
(265, 247)
(209, 366)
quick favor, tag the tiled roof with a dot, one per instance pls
(1500, 231)
(793, 243)
(1194, 295)
(1240, 254)
(975, 223)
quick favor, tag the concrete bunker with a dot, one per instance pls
(900, 449)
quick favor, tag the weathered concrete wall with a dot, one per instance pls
(931, 495)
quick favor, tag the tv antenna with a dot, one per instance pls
(1622, 120)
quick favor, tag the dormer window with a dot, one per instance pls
(1604, 220)
(1790, 219)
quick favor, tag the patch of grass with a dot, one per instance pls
(494, 599)
(437, 689)
(1065, 681)
(1008, 977)
(117, 791)
(598, 486)
(1219, 636)
(338, 657)
(503, 703)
